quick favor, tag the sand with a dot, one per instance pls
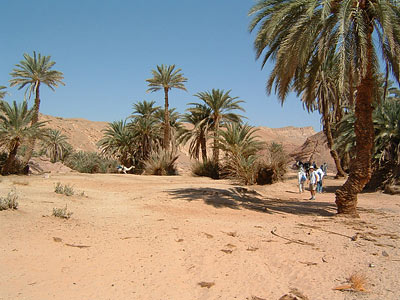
(181, 237)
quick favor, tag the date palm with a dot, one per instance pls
(30, 74)
(199, 118)
(321, 92)
(117, 142)
(15, 129)
(55, 144)
(166, 78)
(222, 106)
(298, 34)
(241, 146)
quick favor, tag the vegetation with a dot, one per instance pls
(206, 168)
(274, 166)
(299, 35)
(10, 201)
(62, 213)
(166, 78)
(241, 147)
(90, 162)
(54, 144)
(162, 162)
(222, 106)
(31, 73)
(15, 128)
(199, 117)
(66, 190)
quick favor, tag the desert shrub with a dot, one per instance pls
(242, 168)
(10, 201)
(90, 162)
(62, 213)
(161, 162)
(206, 168)
(274, 166)
(64, 189)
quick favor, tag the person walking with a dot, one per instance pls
(301, 176)
(313, 182)
(321, 174)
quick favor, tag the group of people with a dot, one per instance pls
(310, 172)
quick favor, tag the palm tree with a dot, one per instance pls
(199, 118)
(30, 74)
(321, 92)
(15, 129)
(144, 109)
(221, 105)
(166, 78)
(298, 34)
(241, 146)
(55, 144)
(117, 142)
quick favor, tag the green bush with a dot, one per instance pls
(206, 168)
(161, 162)
(274, 167)
(62, 213)
(242, 169)
(90, 162)
(10, 201)
(66, 189)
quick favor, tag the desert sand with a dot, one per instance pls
(183, 237)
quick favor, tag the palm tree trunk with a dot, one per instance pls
(360, 169)
(166, 120)
(203, 145)
(35, 118)
(216, 143)
(328, 133)
(9, 165)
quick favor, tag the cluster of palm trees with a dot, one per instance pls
(327, 51)
(150, 127)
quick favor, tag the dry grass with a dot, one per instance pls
(356, 282)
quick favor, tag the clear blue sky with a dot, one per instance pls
(107, 49)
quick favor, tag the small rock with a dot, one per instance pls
(384, 253)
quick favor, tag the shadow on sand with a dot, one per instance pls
(238, 198)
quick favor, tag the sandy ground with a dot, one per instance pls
(148, 237)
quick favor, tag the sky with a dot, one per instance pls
(107, 49)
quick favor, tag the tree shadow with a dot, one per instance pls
(241, 198)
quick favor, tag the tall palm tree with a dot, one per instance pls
(321, 92)
(117, 142)
(30, 73)
(221, 105)
(199, 118)
(55, 144)
(166, 78)
(15, 129)
(297, 34)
